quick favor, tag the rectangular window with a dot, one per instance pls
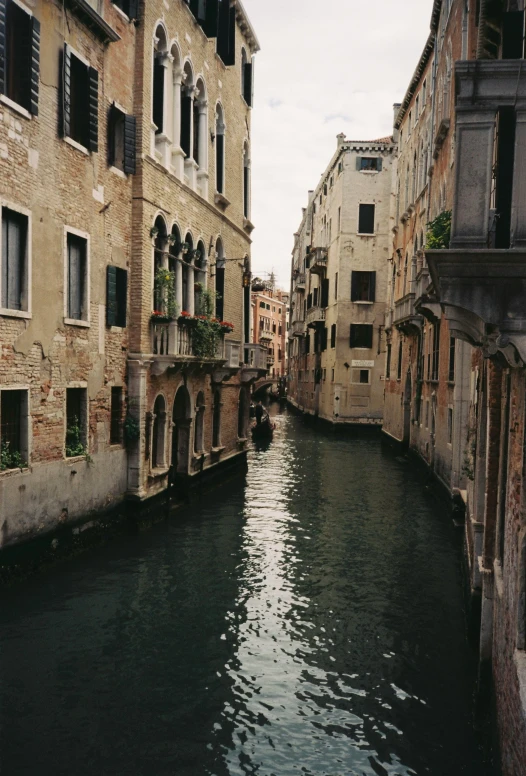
(339, 219)
(13, 429)
(19, 56)
(77, 278)
(435, 357)
(129, 7)
(116, 416)
(369, 164)
(76, 422)
(336, 286)
(363, 286)
(388, 363)
(14, 279)
(122, 140)
(400, 357)
(116, 296)
(366, 219)
(332, 375)
(451, 371)
(262, 304)
(364, 376)
(80, 101)
(361, 335)
(450, 425)
(333, 335)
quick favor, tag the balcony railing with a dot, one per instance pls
(299, 282)
(175, 339)
(404, 308)
(255, 357)
(266, 335)
(315, 315)
(297, 328)
(317, 260)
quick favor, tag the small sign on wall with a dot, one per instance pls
(363, 364)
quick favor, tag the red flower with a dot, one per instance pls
(185, 314)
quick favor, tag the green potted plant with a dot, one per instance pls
(165, 303)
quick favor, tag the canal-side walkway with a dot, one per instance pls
(308, 622)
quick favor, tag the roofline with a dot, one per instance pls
(249, 30)
(422, 63)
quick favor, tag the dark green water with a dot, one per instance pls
(308, 623)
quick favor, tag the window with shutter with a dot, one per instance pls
(116, 296)
(363, 286)
(80, 101)
(19, 55)
(14, 408)
(333, 335)
(116, 416)
(223, 30)
(76, 277)
(76, 422)
(361, 335)
(14, 281)
(366, 219)
(247, 83)
(121, 140)
(368, 164)
(324, 301)
(211, 18)
(158, 95)
(129, 7)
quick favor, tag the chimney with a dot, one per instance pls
(340, 139)
(396, 110)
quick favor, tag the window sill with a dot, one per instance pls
(221, 200)
(73, 322)
(15, 106)
(119, 173)
(369, 172)
(78, 146)
(366, 234)
(5, 312)
(76, 458)
(158, 474)
(217, 450)
(13, 472)
(361, 302)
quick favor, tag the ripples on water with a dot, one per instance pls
(309, 623)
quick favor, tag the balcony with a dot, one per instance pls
(232, 362)
(317, 260)
(404, 316)
(315, 315)
(254, 363)
(172, 346)
(425, 301)
(299, 281)
(265, 336)
(297, 329)
(480, 281)
(270, 361)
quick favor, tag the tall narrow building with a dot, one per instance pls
(339, 287)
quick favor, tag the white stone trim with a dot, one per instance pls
(85, 236)
(15, 106)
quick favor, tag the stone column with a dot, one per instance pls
(190, 165)
(179, 284)
(177, 152)
(518, 204)
(191, 292)
(202, 173)
(475, 134)
(162, 139)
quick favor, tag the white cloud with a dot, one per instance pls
(324, 68)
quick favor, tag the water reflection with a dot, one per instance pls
(309, 623)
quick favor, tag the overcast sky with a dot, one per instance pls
(324, 68)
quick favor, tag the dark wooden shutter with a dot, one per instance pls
(355, 287)
(66, 91)
(111, 296)
(158, 95)
(35, 66)
(130, 144)
(122, 296)
(513, 35)
(194, 7)
(93, 81)
(223, 28)
(246, 183)
(133, 9)
(379, 164)
(248, 83)
(3, 4)
(324, 293)
(366, 219)
(186, 107)
(231, 48)
(112, 126)
(333, 335)
(372, 286)
(211, 20)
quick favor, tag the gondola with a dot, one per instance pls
(263, 430)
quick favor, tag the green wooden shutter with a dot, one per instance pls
(130, 144)
(93, 80)
(112, 120)
(66, 91)
(358, 163)
(35, 65)
(372, 286)
(3, 4)
(379, 164)
(111, 296)
(122, 296)
(211, 20)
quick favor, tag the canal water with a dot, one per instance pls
(309, 621)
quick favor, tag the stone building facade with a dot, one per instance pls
(124, 151)
(339, 287)
(269, 309)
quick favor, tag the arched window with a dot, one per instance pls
(220, 150)
(242, 415)
(158, 433)
(246, 181)
(159, 259)
(201, 135)
(407, 178)
(160, 61)
(199, 430)
(188, 274)
(199, 275)
(220, 280)
(216, 420)
(187, 101)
